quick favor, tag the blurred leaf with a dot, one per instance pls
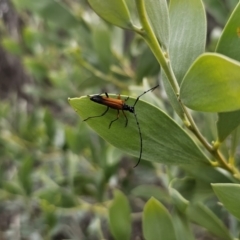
(187, 36)
(163, 142)
(207, 86)
(226, 123)
(147, 65)
(58, 197)
(157, 11)
(157, 221)
(218, 9)
(13, 188)
(49, 124)
(113, 11)
(119, 217)
(211, 174)
(229, 45)
(192, 189)
(146, 191)
(36, 67)
(178, 200)
(203, 216)
(182, 226)
(101, 42)
(50, 10)
(49, 214)
(12, 46)
(24, 175)
(229, 195)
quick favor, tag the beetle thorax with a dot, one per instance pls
(128, 108)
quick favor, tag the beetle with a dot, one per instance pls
(120, 105)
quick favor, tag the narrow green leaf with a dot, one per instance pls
(212, 84)
(119, 217)
(157, 222)
(58, 197)
(178, 200)
(13, 187)
(113, 11)
(182, 226)
(203, 216)
(163, 140)
(229, 45)
(24, 175)
(146, 191)
(226, 123)
(101, 43)
(229, 195)
(187, 34)
(157, 11)
(50, 10)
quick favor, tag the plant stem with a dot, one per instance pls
(149, 36)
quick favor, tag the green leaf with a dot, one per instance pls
(50, 10)
(226, 123)
(113, 11)
(157, 222)
(229, 45)
(119, 217)
(58, 197)
(212, 84)
(229, 195)
(157, 11)
(178, 200)
(101, 44)
(146, 191)
(218, 10)
(146, 66)
(204, 217)
(24, 175)
(163, 140)
(187, 42)
(13, 188)
(187, 34)
(182, 226)
(211, 174)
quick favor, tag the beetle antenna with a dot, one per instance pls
(151, 89)
(140, 135)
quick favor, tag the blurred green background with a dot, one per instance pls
(57, 176)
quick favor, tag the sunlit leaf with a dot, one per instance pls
(212, 84)
(157, 221)
(163, 140)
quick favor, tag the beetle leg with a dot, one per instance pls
(98, 116)
(114, 120)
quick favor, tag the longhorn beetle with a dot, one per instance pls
(119, 104)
